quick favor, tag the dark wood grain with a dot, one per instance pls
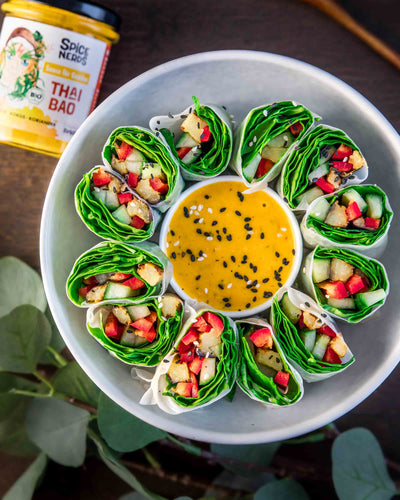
(156, 31)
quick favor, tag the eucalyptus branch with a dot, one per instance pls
(46, 382)
(151, 459)
(59, 359)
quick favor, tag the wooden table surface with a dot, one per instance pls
(156, 31)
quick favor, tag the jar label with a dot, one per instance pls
(49, 77)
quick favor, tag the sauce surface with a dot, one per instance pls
(229, 249)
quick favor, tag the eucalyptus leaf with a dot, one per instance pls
(59, 430)
(359, 468)
(73, 381)
(284, 489)
(56, 342)
(248, 484)
(26, 332)
(260, 455)
(110, 459)
(9, 381)
(24, 487)
(121, 430)
(19, 284)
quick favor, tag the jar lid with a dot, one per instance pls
(88, 9)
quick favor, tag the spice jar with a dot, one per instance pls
(53, 56)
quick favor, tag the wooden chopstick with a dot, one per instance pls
(340, 15)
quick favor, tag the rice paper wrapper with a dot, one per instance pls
(146, 355)
(304, 158)
(374, 269)
(276, 111)
(99, 219)
(154, 395)
(220, 124)
(293, 346)
(113, 256)
(370, 243)
(243, 369)
(154, 149)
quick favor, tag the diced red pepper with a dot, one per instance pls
(182, 152)
(111, 327)
(124, 198)
(206, 134)
(264, 167)
(261, 337)
(201, 325)
(282, 378)
(326, 330)
(150, 335)
(342, 166)
(334, 289)
(134, 283)
(84, 290)
(301, 323)
(326, 186)
(137, 222)
(101, 178)
(195, 365)
(184, 389)
(191, 336)
(342, 151)
(296, 128)
(123, 150)
(354, 284)
(215, 321)
(372, 223)
(195, 386)
(118, 277)
(158, 185)
(143, 324)
(330, 356)
(188, 356)
(353, 211)
(92, 280)
(182, 348)
(132, 180)
(152, 316)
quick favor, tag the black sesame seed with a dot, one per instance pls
(225, 299)
(248, 305)
(254, 299)
(285, 262)
(198, 277)
(227, 304)
(293, 251)
(172, 232)
(251, 265)
(114, 189)
(254, 290)
(241, 197)
(277, 254)
(186, 212)
(246, 278)
(196, 221)
(323, 315)
(262, 236)
(280, 269)
(173, 255)
(229, 237)
(207, 233)
(183, 116)
(238, 213)
(189, 251)
(198, 231)
(352, 176)
(267, 295)
(165, 360)
(222, 209)
(280, 285)
(314, 179)
(158, 122)
(219, 237)
(225, 264)
(192, 258)
(206, 196)
(183, 254)
(244, 257)
(285, 200)
(224, 230)
(233, 258)
(170, 115)
(220, 286)
(248, 236)
(214, 223)
(247, 219)
(201, 253)
(307, 304)
(254, 269)
(247, 227)
(265, 280)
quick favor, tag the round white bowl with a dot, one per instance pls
(239, 80)
(298, 242)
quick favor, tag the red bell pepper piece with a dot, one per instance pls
(206, 134)
(143, 324)
(326, 186)
(191, 336)
(263, 167)
(158, 185)
(330, 356)
(301, 323)
(123, 150)
(111, 327)
(261, 337)
(124, 198)
(282, 378)
(101, 178)
(201, 325)
(188, 356)
(118, 277)
(326, 330)
(182, 152)
(353, 211)
(334, 289)
(372, 223)
(132, 180)
(134, 283)
(195, 386)
(92, 280)
(84, 290)
(137, 222)
(150, 335)
(342, 166)
(296, 128)
(341, 152)
(215, 321)
(184, 389)
(195, 365)
(354, 284)
(182, 348)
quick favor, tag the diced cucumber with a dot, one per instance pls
(353, 195)
(249, 171)
(100, 195)
(283, 140)
(320, 171)
(137, 312)
(272, 153)
(308, 337)
(292, 312)
(321, 209)
(208, 370)
(135, 155)
(119, 291)
(321, 343)
(135, 167)
(111, 200)
(186, 141)
(151, 170)
(310, 195)
(348, 303)
(267, 370)
(368, 299)
(121, 214)
(321, 270)
(375, 206)
(326, 154)
(129, 338)
(270, 358)
(191, 156)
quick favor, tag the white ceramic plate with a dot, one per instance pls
(239, 80)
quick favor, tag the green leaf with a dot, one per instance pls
(359, 468)
(260, 455)
(59, 430)
(74, 382)
(9, 381)
(284, 489)
(112, 462)
(25, 485)
(56, 342)
(122, 431)
(19, 284)
(26, 332)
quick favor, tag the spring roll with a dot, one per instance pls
(308, 336)
(115, 272)
(200, 138)
(146, 164)
(348, 285)
(264, 373)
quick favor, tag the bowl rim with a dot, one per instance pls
(95, 372)
(298, 241)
